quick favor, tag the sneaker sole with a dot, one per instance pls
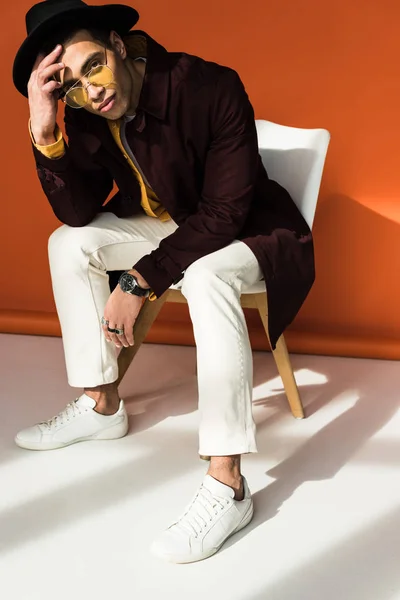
(114, 432)
(190, 559)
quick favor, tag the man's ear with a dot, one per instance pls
(117, 44)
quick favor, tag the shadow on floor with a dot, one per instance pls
(364, 566)
(327, 451)
(71, 503)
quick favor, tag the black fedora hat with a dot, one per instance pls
(43, 18)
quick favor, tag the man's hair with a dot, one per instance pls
(68, 31)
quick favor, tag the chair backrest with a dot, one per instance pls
(295, 158)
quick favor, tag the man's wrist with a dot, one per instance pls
(43, 139)
(49, 141)
(141, 281)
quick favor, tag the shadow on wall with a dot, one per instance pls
(352, 278)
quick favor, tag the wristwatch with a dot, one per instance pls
(129, 284)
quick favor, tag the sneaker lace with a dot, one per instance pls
(201, 512)
(70, 411)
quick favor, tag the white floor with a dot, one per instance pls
(77, 523)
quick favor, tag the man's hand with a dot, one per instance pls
(121, 312)
(43, 96)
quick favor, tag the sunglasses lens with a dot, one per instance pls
(101, 76)
(77, 97)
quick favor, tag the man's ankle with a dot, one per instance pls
(226, 469)
(107, 400)
(106, 408)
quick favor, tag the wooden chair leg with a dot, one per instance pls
(145, 320)
(282, 360)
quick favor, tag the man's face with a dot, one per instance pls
(80, 55)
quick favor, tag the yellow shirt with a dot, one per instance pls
(150, 203)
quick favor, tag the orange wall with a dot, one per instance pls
(308, 63)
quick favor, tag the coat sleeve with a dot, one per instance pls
(228, 189)
(74, 184)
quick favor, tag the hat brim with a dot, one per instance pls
(115, 17)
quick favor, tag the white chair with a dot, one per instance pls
(294, 158)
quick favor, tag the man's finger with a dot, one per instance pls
(122, 339)
(51, 86)
(37, 62)
(49, 59)
(114, 339)
(106, 333)
(129, 333)
(126, 338)
(35, 67)
(109, 332)
(48, 73)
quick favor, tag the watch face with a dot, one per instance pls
(127, 282)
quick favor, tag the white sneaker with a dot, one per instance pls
(78, 422)
(211, 518)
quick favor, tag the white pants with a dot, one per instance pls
(79, 261)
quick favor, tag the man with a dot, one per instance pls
(194, 204)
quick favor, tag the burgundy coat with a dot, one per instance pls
(195, 140)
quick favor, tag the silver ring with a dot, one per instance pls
(104, 322)
(119, 331)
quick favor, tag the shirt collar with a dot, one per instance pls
(155, 90)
